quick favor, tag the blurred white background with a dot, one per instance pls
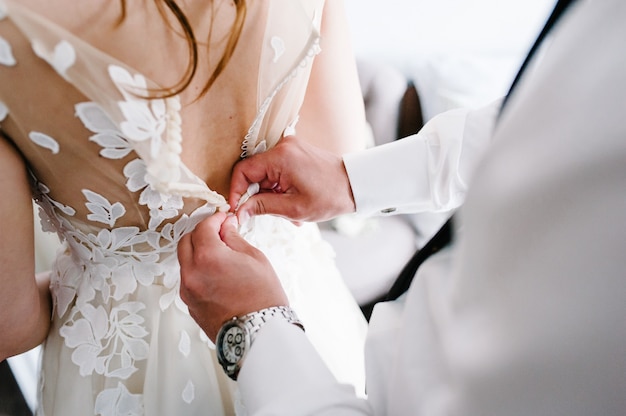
(458, 52)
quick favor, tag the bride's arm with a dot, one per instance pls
(332, 114)
(25, 313)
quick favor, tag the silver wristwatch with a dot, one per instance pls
(236, 336)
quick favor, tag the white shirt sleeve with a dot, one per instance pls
(284, 375)
(428, 171)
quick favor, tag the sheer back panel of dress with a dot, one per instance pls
(58, 140)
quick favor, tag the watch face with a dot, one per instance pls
(231, 344)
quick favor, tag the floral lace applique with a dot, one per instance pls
(145, 118)
(119, 333)
(153, 126)
(61, 58)
(184, 345)
(108, 136)
(107, 266)
(6, 54)
(119, 401)
(4, 111)
(156, 121)
(44, 141)
(278, 44)
(49, 221)
(189, 392)
(102, 210)
(162, 206)
(116, 146)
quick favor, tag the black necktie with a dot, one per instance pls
(443, 237)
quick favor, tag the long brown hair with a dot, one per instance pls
(192, 44)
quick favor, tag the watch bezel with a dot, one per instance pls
(232, 367)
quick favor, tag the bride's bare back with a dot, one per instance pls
(213, 125)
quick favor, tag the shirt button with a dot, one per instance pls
(388, 210)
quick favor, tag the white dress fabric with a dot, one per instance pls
(107, 174)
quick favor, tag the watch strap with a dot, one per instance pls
(255, 320)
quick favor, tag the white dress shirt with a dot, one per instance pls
(526, 313)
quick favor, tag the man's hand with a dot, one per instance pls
(223, 276)
(297, 181)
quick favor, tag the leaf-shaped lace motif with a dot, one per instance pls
(4, 111)
(162, 206)
(108, 136)
(189, 392)
(107, 344)
(114, 146)
(118, 401)
(6, 54)
(65, 283)
(158, 122)
(94, 118)
(144, 119)
(44, 199)
(102, 210)
(61, 58)
(278, 44)
(184, 345)
(86, 337)
(44, 141)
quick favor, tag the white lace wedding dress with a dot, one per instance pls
(107, 173)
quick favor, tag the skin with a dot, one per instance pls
(297, 181)
(24, 298)
(217, 242)
(223, 276)
(332, 116)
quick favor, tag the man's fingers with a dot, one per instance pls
(185, 250)
(279, 204)
(244, 174)
(206, 234)
(258, 169)
(231, 237)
